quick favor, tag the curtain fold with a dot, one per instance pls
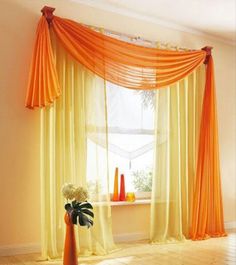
(64, 158)
(43, 74)
(207, 218)
(119, 62)
(122, 63)
(176, 128)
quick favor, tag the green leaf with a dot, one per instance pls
(91, 222)
(76, 205)
(68, 207)
(86, 205)
(74, 217)
(87, 212)
(84, 220)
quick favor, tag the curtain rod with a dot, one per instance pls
(48, 13)
(156, 44)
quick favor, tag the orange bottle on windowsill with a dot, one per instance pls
(122, 187)
(115, 191)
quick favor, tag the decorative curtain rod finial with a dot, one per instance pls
(207, 49)
(47, 11)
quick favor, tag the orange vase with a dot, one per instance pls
(70, 257)
(122, 187)
(115, 192)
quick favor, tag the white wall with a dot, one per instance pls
(19, 127)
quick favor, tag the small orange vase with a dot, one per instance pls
(70, 257)
(122, 187)
(115, 192)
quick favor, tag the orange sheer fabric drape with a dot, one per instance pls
(117, 61)
(207, 218)
(137, 67)
(123, 63)
(43, 86)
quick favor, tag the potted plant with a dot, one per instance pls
(78, 211)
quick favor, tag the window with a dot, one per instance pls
(130, 115)
(131, 136)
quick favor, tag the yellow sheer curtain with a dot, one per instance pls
(178, 112)
(65, 157)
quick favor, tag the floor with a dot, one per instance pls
(217, 251)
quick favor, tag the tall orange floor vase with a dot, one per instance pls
(70, 257)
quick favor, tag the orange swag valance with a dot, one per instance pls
(136, 67)
(119, 62)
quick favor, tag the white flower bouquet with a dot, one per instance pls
(79, 210)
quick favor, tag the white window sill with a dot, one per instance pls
(123, 203)
(136, 202)
(126, 203)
